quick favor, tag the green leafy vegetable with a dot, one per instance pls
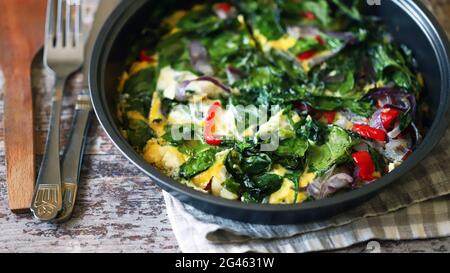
(198, 163)
(405, 121)
(290, 153)
(143, 81)
(266, 184)
(232, 186)
(264, 16)
(390, 64)
(334, 151)
(257, 164)
(139, 133)
(292, 147)
(351, 11)
(312, 130)
(378, 160)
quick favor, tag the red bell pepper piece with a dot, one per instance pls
(306, 55)
(330, 117)
(369, 132)
(210, 125)
(225, 7)
(388, 117)
(144, 57)
(320, 40)
(365, 164)
(309, 15)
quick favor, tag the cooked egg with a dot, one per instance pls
(167, 158)
(139, 66)
(287, 194)
(217, 171)
(306, 179)
(156, 119)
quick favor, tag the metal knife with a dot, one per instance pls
(73, 154)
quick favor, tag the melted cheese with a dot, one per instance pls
(205, 89)
(169, 80)
(180, 114)
(167, 158)
(277, 123)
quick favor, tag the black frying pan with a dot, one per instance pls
(408, 20)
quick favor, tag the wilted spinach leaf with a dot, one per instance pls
(139, 133)
(143, 81)
(390, 65)
(378, 160)
(232, 186)
(257, 164)
(335, 150)
(248, 198)
(312, 130)
(360, 107)
(266, 184)
(405, 120)
(264, 16)
(351, 11)
(198, 163)
(295, 147)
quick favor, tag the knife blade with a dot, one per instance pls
(73, 154)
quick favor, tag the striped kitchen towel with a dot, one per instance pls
(415, 207)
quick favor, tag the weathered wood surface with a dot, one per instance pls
(119, 209)
(21, 36)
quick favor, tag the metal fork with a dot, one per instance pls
(64, 54)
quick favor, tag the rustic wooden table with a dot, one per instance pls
(119, 209)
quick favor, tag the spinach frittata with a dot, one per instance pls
(271, 101)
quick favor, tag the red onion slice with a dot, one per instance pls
(321, 189)
(394, 133)
(214, 81)
(375, 120)
(396, 150)
(233, 74)
(199, 58)
(394, 98)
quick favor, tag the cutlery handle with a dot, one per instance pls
(47, 199)
(73, 155)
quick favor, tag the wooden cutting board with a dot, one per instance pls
(22, 28)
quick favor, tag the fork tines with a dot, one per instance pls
(64, 24)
